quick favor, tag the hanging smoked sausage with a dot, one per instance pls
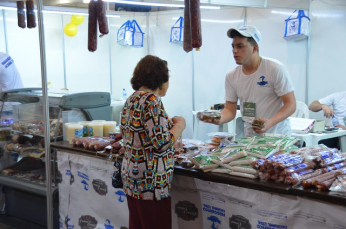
(101, 17)
(30, 14)
(21, 14)
(92, 27)
(195, 21)
(187, 29)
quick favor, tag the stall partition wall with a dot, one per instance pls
(327, 56)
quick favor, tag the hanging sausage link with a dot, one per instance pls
(21, 14)
(187, 28)
(92, 27)
(195, 20)
(30, 14)
(101, 17)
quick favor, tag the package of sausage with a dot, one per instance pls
(339, 185)
(295, 178)
(320, 155)
(264, 176)
(244, 169)
(305, 179)
(247, 160)
(299, 168)
(258, 163)
(334, 167)
(288, 162)
(100, 145)
(240, 174)
(233, 155)
(325, 185)
(205, 162)
(335, 158)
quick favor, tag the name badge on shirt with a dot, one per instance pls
(249, 109)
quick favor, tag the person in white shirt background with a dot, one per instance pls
(262, 85)
(333, 104)
(9, 77)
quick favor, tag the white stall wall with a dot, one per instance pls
(178, 101)
(23, 46)
(327, 59)
(124, 59)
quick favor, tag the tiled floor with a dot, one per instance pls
(9, 222)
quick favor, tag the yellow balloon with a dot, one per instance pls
(77, 19)
(70, 30)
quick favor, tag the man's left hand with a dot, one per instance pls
(267, 125)
(340, 126)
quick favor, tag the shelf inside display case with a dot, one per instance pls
(27, 186)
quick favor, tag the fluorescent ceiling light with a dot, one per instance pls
(217, 21)
(155, 4)
(57, 12)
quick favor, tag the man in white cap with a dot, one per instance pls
(262, 85)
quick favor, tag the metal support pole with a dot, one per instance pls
(5, 29)
(147, 31)
(63, 50)
(308, 47)
(110, 60)
(45, 116)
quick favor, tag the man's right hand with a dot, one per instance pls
(328, 112)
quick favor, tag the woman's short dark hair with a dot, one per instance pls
(150, 72)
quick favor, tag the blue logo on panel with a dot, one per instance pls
(121, 195)
(108, 224)
(215, 222)
(262, 82)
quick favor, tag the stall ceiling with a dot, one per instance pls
(293, 4)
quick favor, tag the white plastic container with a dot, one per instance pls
(96, 129)
(109, 126)
(73, 131)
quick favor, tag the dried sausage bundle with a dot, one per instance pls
(295, 160)
(336, 158)
(30, 14)
(21, 14)
(101, 17)
(92, 27)
(187, 27)
(195, 23)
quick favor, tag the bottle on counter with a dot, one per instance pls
(335, 121)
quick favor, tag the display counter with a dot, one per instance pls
(197, 197)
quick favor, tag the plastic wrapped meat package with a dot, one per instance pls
(221, 137)
(209, 115)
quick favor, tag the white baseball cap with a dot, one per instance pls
(247, 31)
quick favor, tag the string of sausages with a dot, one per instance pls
(30, 14)
(192, 25)
(97, 13)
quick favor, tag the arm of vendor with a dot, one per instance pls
(333, 104)
(285, 111)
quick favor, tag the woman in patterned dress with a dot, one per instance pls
(149, 135)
